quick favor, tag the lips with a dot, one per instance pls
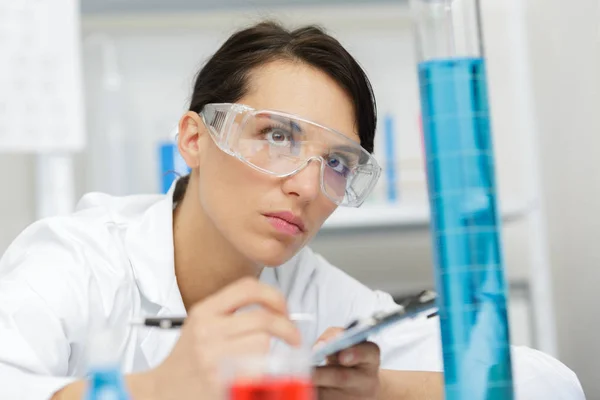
(286, 218)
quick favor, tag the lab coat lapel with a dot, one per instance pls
(149, 244)
(158, 343)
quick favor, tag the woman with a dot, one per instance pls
(262, 184)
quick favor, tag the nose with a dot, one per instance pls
(306, 184)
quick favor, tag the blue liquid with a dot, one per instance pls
(390, 160)
(468, 262)
(106, 384)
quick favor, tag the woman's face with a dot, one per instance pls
(250, 208)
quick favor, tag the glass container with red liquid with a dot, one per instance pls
(285, 376)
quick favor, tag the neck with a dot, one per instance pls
(205, 261)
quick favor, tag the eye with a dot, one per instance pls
(278, 137)
(338, 164)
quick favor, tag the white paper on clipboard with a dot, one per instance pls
(41, 95)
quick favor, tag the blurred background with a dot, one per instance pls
(94, 89)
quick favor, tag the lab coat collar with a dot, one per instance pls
(149, 244)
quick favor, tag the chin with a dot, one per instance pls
(273, 253)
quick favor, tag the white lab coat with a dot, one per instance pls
(112, 261)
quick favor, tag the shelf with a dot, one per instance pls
(517, 287)
(90, 7)
(401, 216)
(185, 15)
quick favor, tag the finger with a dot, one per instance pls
(343, 378)
(258, 321)
(242, 293)
(332, 359)
(329, 334)
(364, 355)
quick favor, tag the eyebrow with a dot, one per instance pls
(285, 121)
(363, 155)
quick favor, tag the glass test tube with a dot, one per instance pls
(462, 192)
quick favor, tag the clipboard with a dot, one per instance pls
(359, 330)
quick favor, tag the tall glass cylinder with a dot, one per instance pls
(462, 190)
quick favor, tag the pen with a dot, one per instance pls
(177, 322)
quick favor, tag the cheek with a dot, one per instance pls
(228, 183)
(322, 208)
(336, 184)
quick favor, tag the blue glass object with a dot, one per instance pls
(171, 165)
(106, 383)
(465, 226)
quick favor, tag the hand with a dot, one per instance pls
(353, 373)
(213, 332)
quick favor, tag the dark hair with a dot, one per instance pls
(224, 78)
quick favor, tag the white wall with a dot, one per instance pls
(17, 207)
(565, 51)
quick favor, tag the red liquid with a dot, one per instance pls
(272, 389)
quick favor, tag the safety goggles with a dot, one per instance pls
(282, 145)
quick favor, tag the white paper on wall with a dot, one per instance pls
(41, 97)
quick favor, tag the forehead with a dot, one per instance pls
(302, 90)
